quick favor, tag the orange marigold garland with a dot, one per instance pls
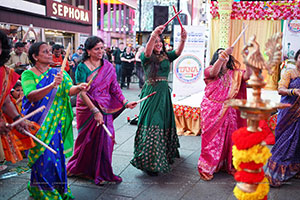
(249, 156)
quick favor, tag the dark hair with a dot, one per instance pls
(34, 49)
(154, 60)
(297, 54)
(56, 47)
(19, 44)
(18, 84)
(90, 43)
(230, 64)
(51, 43)
(4, 57)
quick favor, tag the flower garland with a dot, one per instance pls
(261, 10)
(244, 139)
(251, 165)
(249, 156)
(257, 153)
(248, 177)
(260, 193)
(186, 111)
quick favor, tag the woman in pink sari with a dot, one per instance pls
(224, 81)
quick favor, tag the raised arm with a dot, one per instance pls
(222, 60)
(150, 44)
(182, 42)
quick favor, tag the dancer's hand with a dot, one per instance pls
(83, 87)
(229, 50)
(5, 128)
(131, 105)
(158, 30)
(21, 127)
(57, 79)
(99, 118)
(183, 34)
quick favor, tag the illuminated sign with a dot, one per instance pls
(68, 12)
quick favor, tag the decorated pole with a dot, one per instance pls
(224, 11)
(249, 151)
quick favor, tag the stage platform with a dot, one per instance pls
(187, 110)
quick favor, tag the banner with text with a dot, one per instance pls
(291, 38)
(188, 68)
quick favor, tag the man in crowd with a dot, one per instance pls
(58, 58)
(76, 58)
(116, 60)
(18, 58)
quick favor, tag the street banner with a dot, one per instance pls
(291, 38)
(188, 68)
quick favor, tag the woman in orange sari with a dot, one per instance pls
(224, 81)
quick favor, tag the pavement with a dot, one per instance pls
(183, 182)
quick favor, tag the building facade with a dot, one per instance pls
(116, 21)
(60, 21)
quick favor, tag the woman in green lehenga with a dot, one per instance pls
(156, 142)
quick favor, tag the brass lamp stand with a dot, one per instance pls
(257, 109)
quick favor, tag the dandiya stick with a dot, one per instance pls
(109, 133)
(90, 81)
(40, 109)
(244, 37)
(65, 60)
(178, 17)
(237, 39)
(146, 97)
(66, 57)
(39, 141)
(172, 18)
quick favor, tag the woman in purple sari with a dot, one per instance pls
(224, 81)
(285, 160)
(100, 105)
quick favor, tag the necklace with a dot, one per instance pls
(40, 70)
(94, 66)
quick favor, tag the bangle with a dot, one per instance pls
(17, 117)
(293, 92)
(290, 92)
(95, 110)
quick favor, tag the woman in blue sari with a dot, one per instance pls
(285, 161)
(44, 86)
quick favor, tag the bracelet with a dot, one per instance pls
(17, 117)
(95, 110)
(291, 92)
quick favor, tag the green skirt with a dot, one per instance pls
(156, 141)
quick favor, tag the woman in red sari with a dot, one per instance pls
(8, 79)
(224, 81)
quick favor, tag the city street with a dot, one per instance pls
(182, 183)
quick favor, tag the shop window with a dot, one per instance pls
(83, 4)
